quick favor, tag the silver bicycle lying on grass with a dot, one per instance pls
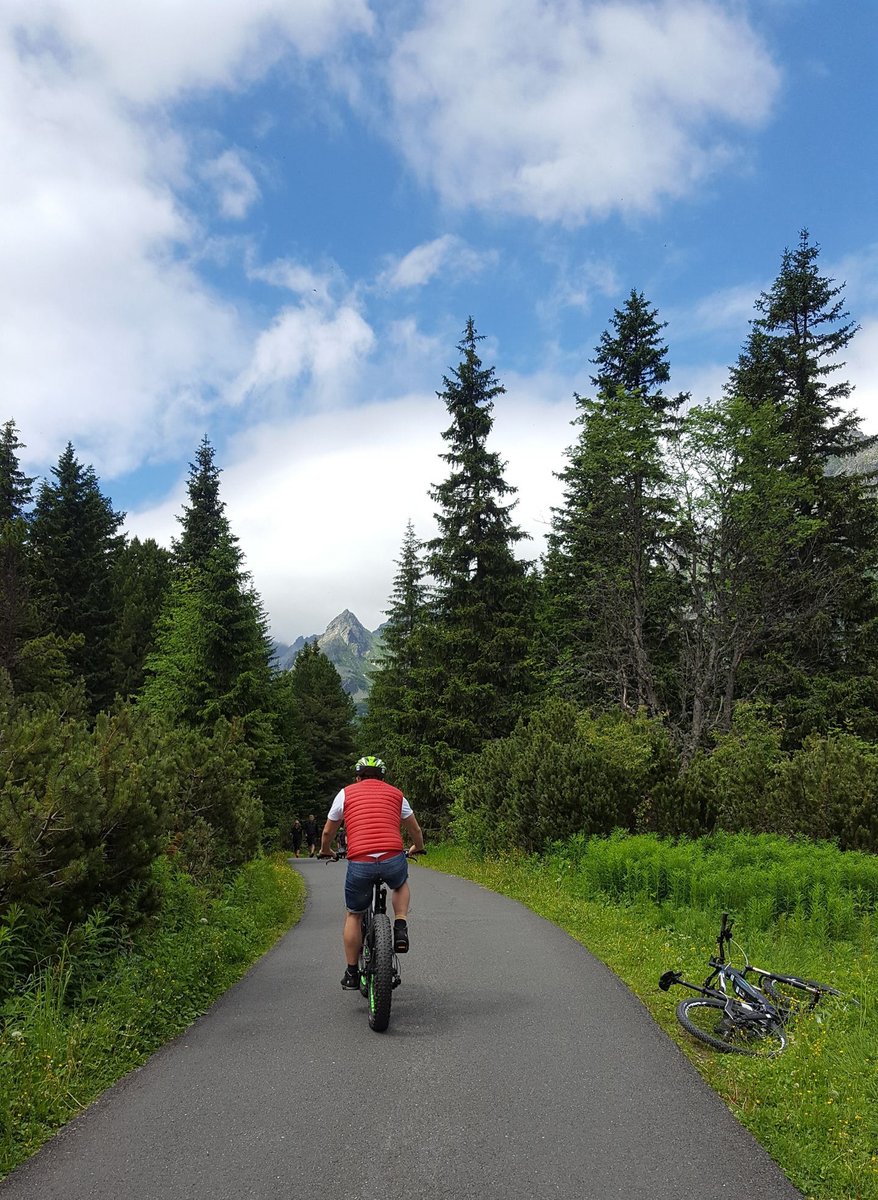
(741, 1015)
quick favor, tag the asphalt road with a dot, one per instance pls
(516, 1066)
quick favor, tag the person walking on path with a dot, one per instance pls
(311, 835)
(296, 836)
(373, 812)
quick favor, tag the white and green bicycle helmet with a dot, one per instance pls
(371, 764)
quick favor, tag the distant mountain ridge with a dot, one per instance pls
(351, 648)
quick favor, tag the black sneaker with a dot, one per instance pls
(400, 937)
(351, 980)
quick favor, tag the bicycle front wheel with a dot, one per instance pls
(730, 1028)
(381, 974)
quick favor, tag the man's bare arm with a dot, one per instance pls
(329, 831)
(413, 829)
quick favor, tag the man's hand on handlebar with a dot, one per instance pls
(331, 856)
(413, 851)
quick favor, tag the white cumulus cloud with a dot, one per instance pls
(568, 109)
(443, 255)
(236, 189)
(306, 345)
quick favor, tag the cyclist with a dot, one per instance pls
(373, 812)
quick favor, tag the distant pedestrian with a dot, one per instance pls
(311, 835)
(296, 836)
(341, 842)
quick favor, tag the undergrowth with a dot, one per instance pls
(645, 904)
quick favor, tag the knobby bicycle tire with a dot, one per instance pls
(381, 974)
(726, 1027)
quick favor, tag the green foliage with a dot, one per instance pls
(829, 789)
(388, 720)
(560, 772)
(207, 783)
(80, 817)
(16, 609)
(605, 598)
(470, 676)
(141, 580)
(295, 776)
(211, 655)
(826, 788)
(326, 714)
(204, 521)
(74, 541)
(790, 359)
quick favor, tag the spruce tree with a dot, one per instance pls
(792, 356)
(141, 580)
(212, 649)
(633, 356)
(203, 519)
(327, 715)
(605, 593)
(75, 541)
(472, 675)
(16, 607)
(211, 662)
(790, 362)
(386, 724)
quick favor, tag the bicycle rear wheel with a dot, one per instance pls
(730, 1028)
(793, 994)
(381, 974)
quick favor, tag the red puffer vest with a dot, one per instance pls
(372, 814)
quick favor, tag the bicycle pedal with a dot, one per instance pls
(397, 980)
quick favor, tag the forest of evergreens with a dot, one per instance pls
(698, 648)
(695, 652)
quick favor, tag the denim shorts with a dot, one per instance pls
(361, 877)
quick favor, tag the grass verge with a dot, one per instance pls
(59, 1051)
(813, 1108)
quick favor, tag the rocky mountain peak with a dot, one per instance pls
(347, 629)
(348, 645)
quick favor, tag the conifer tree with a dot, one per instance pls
(203, 519)
(327, 717)
(75, 540)
(790, 362)
(211, 664)
(16, 607)
(15, 486)
(472, 674)
(141, 580)
(386, 723)
(212, 650)
(605, 592)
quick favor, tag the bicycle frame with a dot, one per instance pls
(729, 984)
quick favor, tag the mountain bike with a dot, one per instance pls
(379, 964)
(734, 1015)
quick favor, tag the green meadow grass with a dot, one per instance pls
(643, 905)
(68, 1037)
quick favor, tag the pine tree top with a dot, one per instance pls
(15, 486)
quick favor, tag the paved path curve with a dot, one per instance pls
(516, 1067)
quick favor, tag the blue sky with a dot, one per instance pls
(268, 220)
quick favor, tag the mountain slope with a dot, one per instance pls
(350, 647)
